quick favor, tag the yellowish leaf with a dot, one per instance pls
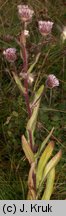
(52, 163)
(27, 150)
(46, 140)
(32, 183)
(42, 162)
(49, 185)
(18, 82)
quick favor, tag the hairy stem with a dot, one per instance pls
(26, 95)
(50, 97)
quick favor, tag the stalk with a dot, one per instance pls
(25, 69)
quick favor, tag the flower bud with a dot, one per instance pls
(26, 33)
(25, 13)
(52, 81)
(45, 27)
(63, 35)
(10, 54)
(30, 79)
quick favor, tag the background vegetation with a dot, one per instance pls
(13, 116)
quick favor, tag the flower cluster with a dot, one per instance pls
(52, 81)
(45, 27)
(10, 54)
(25, 13)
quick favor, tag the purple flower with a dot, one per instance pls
(52, 81)
(25, 13)
(10, 54)
(45, 27)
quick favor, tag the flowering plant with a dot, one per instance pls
(42, 168)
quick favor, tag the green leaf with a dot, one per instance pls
(42, 162)
(32, 121)
(38, 94)
(46, 140)
(49, 185)
(28, 137)
(18, 82)
(27, 150)
(33, 65)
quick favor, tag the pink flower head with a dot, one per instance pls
(10, 54)
(52, 81)
(45, 27)
(25, 13)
